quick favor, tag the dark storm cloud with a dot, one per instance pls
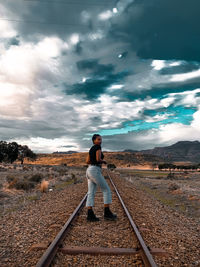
(121, 142)
(161, 29)
(104, 55)
(34, 19)
(67, 146)
(183, 68)
(95, 66)
(14, 41)
(102, 76)
(155, 92)
(26, 129)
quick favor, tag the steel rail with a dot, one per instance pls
(49, 254)
(51, 251)
(145, 253)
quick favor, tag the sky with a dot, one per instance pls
(128, 70)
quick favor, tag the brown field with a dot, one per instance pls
(180, 192)
(120, 159)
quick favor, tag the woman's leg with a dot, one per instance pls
(91, 193)
(107, 195)
(96, 176)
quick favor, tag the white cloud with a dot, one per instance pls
(175, 63)
(50, 47)
(173, 132)
(106, 15)
(187, 98)
(31, 74)
(6, 29)
(15, 101)
(158, 64)
(74, 38)
(196, 122)
(185, 76)
(185, 92)
(48, 145)
(165, 102)
(166, 134)
(116, 86)
(157, 118)
(96, 35)
(22, 64)
(115, 10)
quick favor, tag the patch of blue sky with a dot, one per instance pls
(178, 114)
(171, 110)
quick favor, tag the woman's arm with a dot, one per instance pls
(88, 159)
(98, 156)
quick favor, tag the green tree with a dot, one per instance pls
(9, 152)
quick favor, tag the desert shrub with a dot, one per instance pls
(21, 184)
(63, 164)
(10, 178)
(44, 186)
(171, 175)
(111, 166)
(36, 178)
(24, 185)
(173, 186)
(74, 178)
(62, 171)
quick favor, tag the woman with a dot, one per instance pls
(95, 178)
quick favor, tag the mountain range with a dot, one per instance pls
(180, 151)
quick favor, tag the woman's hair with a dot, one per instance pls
(94, 137)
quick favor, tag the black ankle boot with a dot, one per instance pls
(91, 216)
(108, 215)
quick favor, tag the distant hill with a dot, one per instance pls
(65, 152)
(130, 150)
(180, 151)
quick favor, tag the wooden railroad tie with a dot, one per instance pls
(101, 250)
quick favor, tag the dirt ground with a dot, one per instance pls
(168, 207)
(58, 177)
(180, 191)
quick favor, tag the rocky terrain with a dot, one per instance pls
(167, 206)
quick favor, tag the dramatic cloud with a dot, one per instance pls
(129, 70)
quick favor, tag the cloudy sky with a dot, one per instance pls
(128, 70)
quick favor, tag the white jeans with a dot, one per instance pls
(95, 178)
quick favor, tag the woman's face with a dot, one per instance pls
(98, 140)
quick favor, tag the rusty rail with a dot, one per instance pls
(144, 251)
(56, 245)
(51, 251)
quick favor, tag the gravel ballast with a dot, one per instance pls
(40, 220)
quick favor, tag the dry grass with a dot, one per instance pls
(44, 186)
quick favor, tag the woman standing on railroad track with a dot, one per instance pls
(95, 178)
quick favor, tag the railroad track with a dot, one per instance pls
(121, 239)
